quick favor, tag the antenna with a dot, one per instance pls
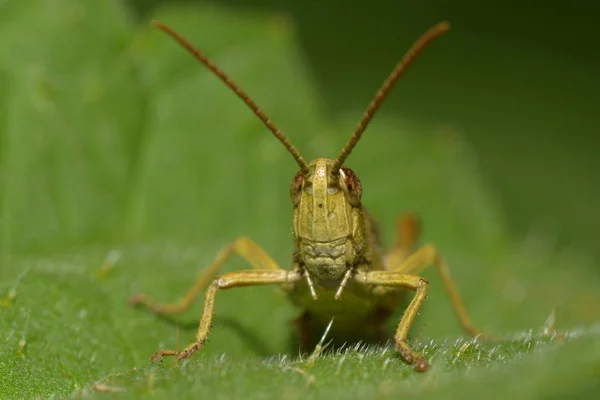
(386, 88)
(238, 91)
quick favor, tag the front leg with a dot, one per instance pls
(387, 281)
(428, 255)
(243, 246)
(228, 281)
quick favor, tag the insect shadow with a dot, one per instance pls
(249, 336)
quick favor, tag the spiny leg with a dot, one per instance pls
(243, 246)
(423, 258)
(228, 281)
(388, 281)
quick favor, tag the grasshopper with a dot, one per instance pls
(338, 268)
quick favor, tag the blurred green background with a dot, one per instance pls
(125, 166)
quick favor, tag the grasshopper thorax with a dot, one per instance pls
(328, 224)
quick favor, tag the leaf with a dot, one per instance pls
(125, 166)
(66, 170)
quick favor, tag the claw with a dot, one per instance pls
(411, 357)
(422, 365)
(136, 299)
(158, 356)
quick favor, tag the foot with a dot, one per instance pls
(139, 299)
(181, 355)
(158, 356)
(189, 350)
(412, 357)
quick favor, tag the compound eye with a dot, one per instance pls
(351, 185)
(296, 188)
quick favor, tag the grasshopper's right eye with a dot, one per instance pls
(296, 188)
(351, 185)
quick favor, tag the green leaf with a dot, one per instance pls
(65, 155)
(125, 166)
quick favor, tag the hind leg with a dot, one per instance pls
(408, 229)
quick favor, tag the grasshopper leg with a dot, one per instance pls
(404, 258)
(387, 281)
(243, 246)
(408, 229)
(423, 258)
(228, 281)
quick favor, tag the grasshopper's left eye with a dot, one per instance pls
(351, 185)
(296, 188)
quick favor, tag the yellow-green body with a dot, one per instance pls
(358, 315)
(333, 235)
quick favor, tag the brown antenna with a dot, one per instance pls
(241, 94)
(385, 89)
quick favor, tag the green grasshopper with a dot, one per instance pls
(338, 267)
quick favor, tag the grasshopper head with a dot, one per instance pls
(328, 223)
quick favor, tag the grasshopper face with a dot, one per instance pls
(328, 224)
